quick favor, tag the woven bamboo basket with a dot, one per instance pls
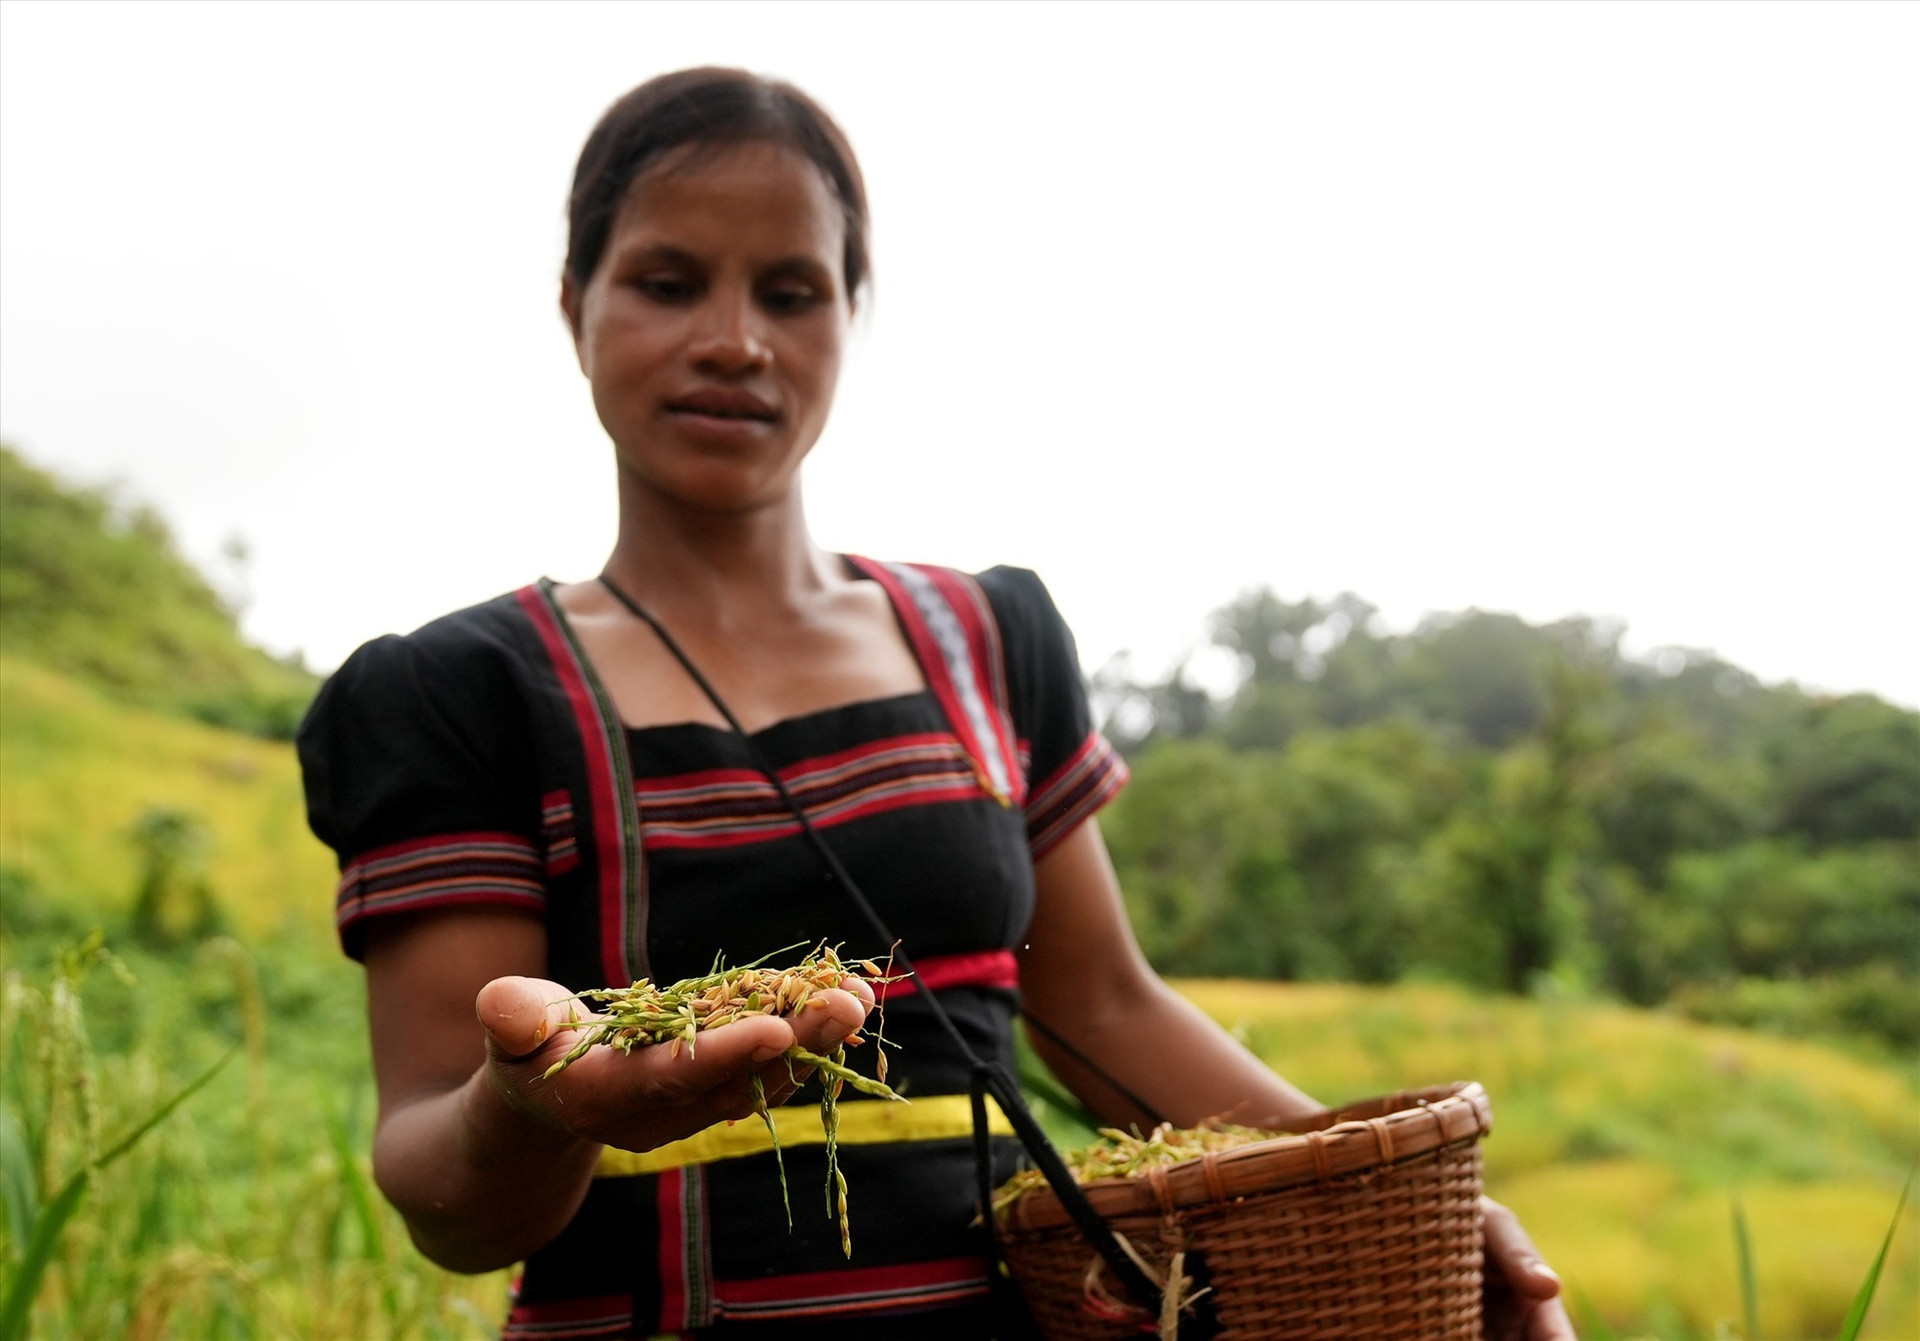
(1364, 1227)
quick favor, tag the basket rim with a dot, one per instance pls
(1356, 1138)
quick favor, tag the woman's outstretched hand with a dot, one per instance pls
(1522, 1294)
(655, 1094)
(485, 1157)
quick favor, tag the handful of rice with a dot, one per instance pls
(646, 1015)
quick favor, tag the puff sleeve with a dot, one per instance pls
(416, 759)
(1071, 769)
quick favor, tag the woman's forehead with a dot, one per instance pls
(706, 196)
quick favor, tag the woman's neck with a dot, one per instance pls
(717, 568)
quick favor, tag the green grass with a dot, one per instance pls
(249, 1211)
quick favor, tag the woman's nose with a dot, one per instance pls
(731, 340)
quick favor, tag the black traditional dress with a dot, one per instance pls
(478, 761)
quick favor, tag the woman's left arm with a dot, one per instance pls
(1083, 977)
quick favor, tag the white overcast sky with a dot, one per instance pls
(1551, 308)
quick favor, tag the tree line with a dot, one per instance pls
(1522, 807)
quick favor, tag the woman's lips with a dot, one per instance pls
(724, 406)
(723, 415)
(720, 430)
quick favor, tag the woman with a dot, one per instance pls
(479, 781)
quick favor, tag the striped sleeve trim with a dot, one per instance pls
(447, 870)
(1091, 778)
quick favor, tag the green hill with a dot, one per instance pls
(98, 590)
(81, 773)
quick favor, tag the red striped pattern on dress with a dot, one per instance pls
(623, 893)
(988, 678)
(436, 872)
(950, 627)
(729, 806)
(556, 831)
(1076, 789)
(686, 1298)
(862, 1290)
(608, 1315)
(937, 973)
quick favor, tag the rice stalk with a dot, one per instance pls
(646, 1015)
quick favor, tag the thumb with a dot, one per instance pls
(831, 1016)
(519, 1014)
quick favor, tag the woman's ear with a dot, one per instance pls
(570, 302)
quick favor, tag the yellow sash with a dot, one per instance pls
(939, 1117)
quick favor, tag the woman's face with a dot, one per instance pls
(712, 330)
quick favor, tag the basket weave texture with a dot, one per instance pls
(1365, 1227)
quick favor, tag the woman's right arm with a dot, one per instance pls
(485, 1160)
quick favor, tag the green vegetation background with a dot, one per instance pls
(1668, 915)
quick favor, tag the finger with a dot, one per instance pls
(1511, 1254)
(520, 1014)
(828, 1018)
(676, 1074)
(818, 1029)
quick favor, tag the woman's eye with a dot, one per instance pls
(665, 288)
(790, 298)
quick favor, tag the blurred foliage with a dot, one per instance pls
(1525, 808)
(249, 1211)
(83, 776)
(98, 590)
(174, 902)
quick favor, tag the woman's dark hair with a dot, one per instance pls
(713, 107)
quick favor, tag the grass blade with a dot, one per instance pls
(159, 1115)
(53, 1217)
(1592, 1325)
(373, 1241)
(18, 1180)
(47, 1226)
(1857, 1315)
(366, 1208)
(1743, 1254)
